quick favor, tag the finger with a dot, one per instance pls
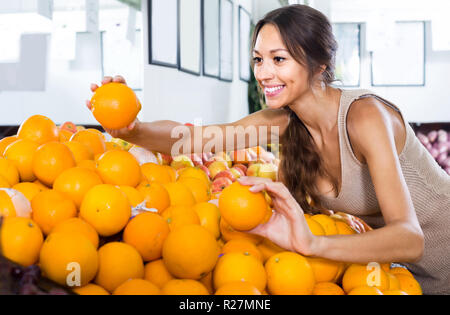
(94, 87)
(119, 79)
(107, 80)
(132, 125)
(89, 105)
(257, 188)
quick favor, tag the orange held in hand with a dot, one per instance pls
(241, 208)
(115, 105)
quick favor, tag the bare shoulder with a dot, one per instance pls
(370, 121)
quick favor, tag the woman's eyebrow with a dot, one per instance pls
(272, 51)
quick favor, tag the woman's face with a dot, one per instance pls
(281, 77)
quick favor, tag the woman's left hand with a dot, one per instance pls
(287, 227)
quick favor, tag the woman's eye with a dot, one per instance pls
(256, 60)
(279, 59)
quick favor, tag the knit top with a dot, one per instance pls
(429, 186)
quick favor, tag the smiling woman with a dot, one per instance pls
(346, 150)
(290, 59)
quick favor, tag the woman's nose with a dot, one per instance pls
(264, 72)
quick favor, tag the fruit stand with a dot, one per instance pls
(98, 216)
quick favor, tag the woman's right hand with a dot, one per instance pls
(126, 133)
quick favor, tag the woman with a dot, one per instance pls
(350, 151)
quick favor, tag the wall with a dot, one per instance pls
(170, 94)
(66, 86)
(430, 103)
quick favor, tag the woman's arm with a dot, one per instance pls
(401, 240)
(262, 127)
(372, 134)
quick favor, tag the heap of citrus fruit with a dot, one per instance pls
(66, 190)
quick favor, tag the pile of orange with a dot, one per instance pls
(65, 190)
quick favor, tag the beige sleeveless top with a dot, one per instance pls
(429, 186)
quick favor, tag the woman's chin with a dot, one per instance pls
(275, 105)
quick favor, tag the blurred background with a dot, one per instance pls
(188, 60)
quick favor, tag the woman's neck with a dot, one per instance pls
(318, 109)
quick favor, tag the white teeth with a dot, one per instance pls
(272, 90)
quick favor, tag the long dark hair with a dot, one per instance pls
(309, 38)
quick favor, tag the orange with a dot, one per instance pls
(9, 171)
(238, 288)
(80, 151)
(401, 270)
(112, 146)
(179, 194)
(394, 284)
(78, 227)
(325, 270)
(327, 288)
(74, 183)
(137, 287)
(190, 252)
(228, 233)
(184, 287)
(207, 281)
(91, 289)
(409, 285)
(394, 292)
(39, 129)
(198, 188)
(64, 135)
(51, 208)
(156, 272)
(289, 273)
(147, 232)
(134, 196)
(268, 249)
(386, 267)
(14, 204)
(155, 173)
(233, 267)
(361, 275)
(328, 224)
(179, 216)
(365, 290)
(171, 171)
(42, 186)
(193, 172)
(343, 228)
(50, 160)
(115, 105)
(5, 142)
(21, 154)
(89, 164)
(118, 262)
(315, 227)
(119, 168)
(242, 246)
(155, 196)
(69, 259)
(106, 208)
(21, 240)
(29, 190)
(91, 139)
(4, 183)
(209, 216)
(241, 208)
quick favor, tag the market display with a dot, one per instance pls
(437, 143)
(108, 217)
